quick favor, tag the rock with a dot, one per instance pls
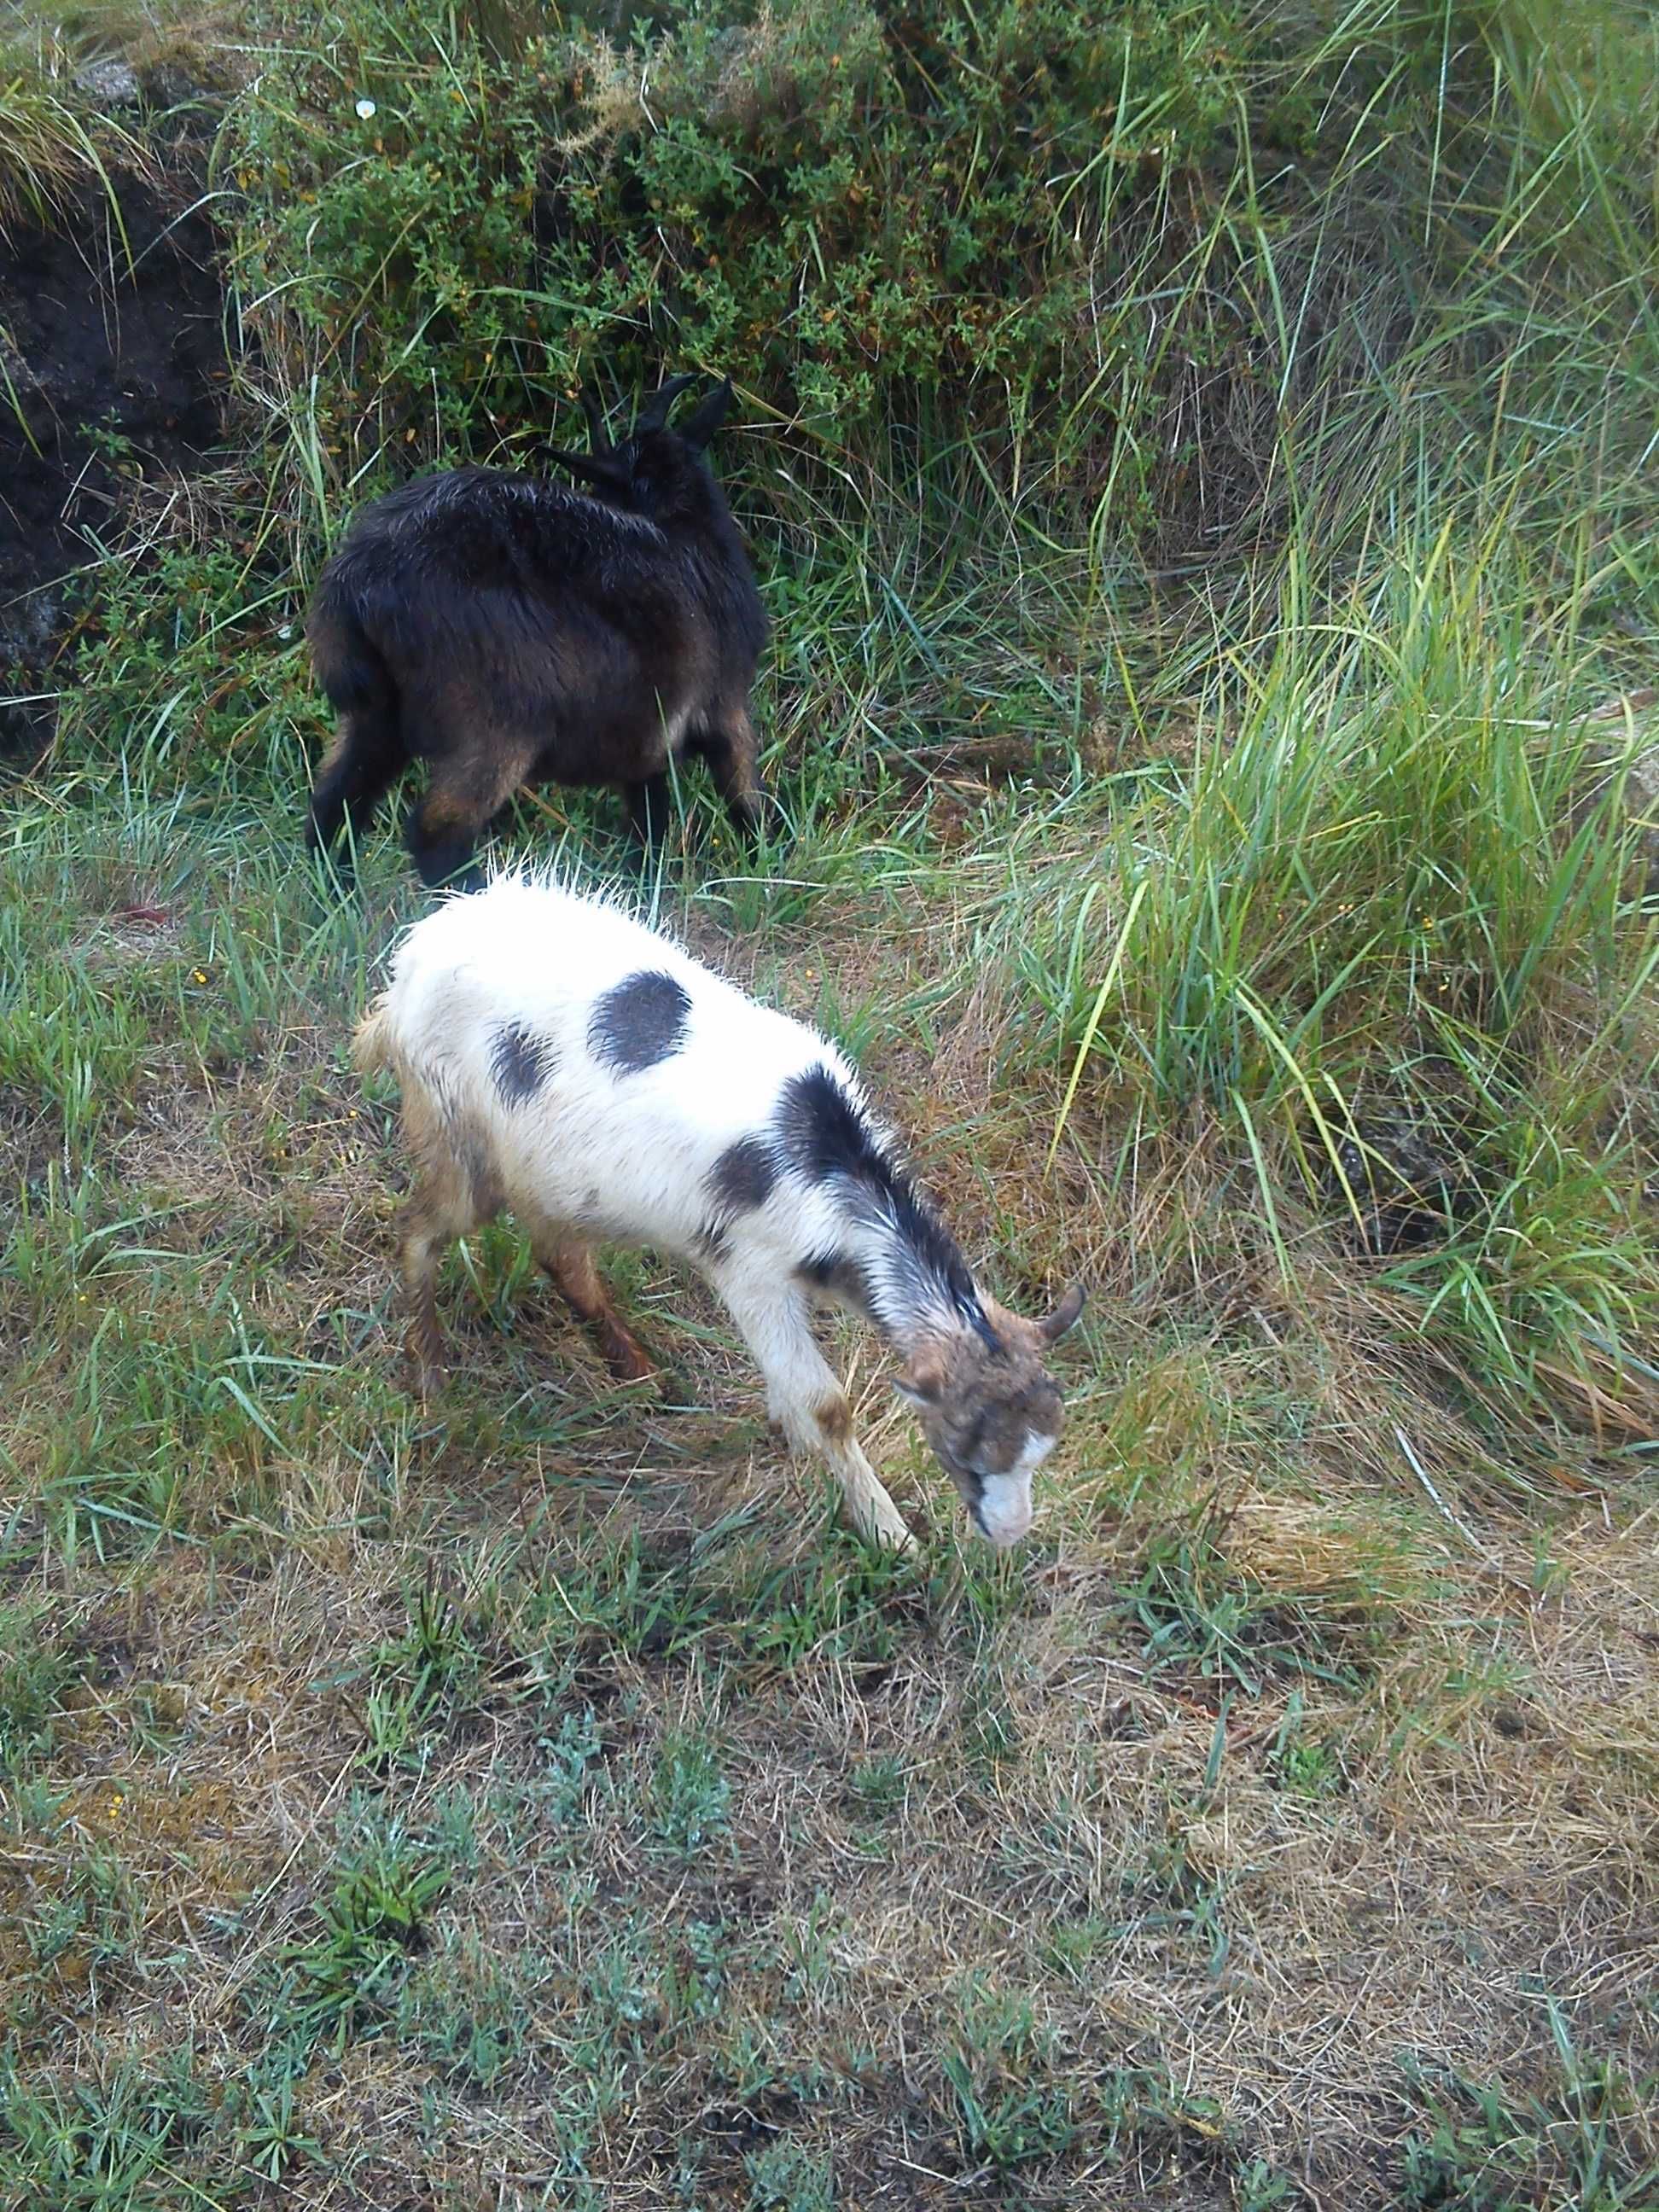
(27, 627)
(1405, 1171)
(111, 83)
(171, 84)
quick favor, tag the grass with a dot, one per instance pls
(539, 1796)
(513, 1772)
(54, 142)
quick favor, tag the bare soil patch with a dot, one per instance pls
(113, 352)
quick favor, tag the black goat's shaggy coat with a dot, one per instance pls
(509, 631)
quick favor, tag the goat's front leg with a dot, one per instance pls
(650, 810)
(805, 1399)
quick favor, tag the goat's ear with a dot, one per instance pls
(596, 438)
(654, 413)
(595, 468)
(1063, 1317)
(923, 1381)
(699, 428)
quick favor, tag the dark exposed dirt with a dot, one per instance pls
(99, 342)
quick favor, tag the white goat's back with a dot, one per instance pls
(497, 1009)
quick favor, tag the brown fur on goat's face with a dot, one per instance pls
(991, 1412)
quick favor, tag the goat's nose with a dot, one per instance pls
(1005, 1511)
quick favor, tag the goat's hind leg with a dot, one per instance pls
(442, 838)
(426, 1232)
(365, 759)
(732, 750)
(468, 790)
(808, 1403)
(445, 1201)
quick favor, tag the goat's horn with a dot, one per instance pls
(654, 413)
(595, 468)
(1064, 1316)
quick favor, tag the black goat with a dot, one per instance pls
(510, 631)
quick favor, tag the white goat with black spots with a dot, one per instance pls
(558, 1058)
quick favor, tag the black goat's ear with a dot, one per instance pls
(654, 413)
(595, 468)
(699, 428)
(597, 440)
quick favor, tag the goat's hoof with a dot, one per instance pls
(427, 1372)
(628, 1363)
(890, 1533)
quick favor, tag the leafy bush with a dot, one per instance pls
(1182, 263)
(452, 239)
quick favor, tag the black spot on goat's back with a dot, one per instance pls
(825, 1138)
(743, 1176)
(823, 1134)
(520, 1061)
(640, 1021)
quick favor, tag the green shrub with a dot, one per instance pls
(830, 200)
(1184, 264)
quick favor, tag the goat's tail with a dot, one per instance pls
(374, 1048)
(368, 754)
(350, 665)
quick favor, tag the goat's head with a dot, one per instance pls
(991, 1410)
(655, 470)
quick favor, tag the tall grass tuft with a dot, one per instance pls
(1395, 883)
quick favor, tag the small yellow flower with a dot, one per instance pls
(199, 973)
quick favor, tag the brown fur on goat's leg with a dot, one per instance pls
(466, 794)
(421, 1250)
(732, 750)
(573, 1267)
(442, 846)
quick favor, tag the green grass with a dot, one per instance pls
(651, 1776)
(54, 142)
(1203, 836)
